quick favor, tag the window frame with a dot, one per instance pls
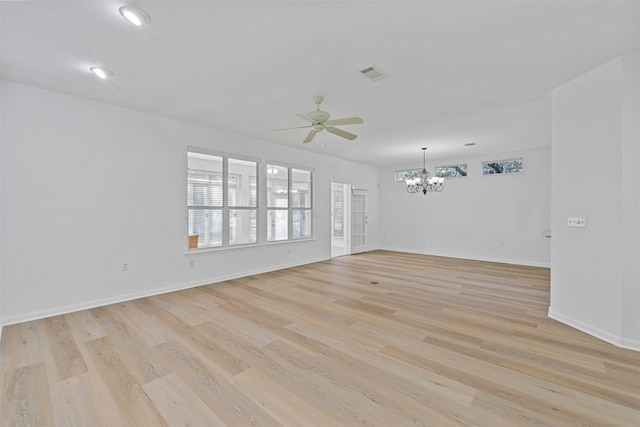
(209, 207)
(261, 199)
(290, 208)
(226, 207)
(502, 162)
(462, 166)
(405, 174)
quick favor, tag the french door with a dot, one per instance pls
(358, 221)
(340, 219)
(348, 219)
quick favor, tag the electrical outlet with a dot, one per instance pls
(192, 263)
(576, 222)
(125, 266)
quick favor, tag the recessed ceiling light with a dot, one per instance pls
(135, 15)
(101, 72)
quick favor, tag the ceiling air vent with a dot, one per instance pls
(374, 73)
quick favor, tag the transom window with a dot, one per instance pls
(402, 176)
(452, 171)
(501, 166)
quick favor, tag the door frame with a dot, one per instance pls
(358, 192)
(341, 246)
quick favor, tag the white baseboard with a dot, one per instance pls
(55, 311)
(475, 258)
(616, 340)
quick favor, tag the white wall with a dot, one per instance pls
(495, 218)
(1, 186)
(630, 329)
(595, 274)
(87, 186)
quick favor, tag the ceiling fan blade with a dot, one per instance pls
(343, 133)
(304, 116)
(309, 136)
(345, 121)
(298, 127)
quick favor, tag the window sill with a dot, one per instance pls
(199, 251)
(284, 242)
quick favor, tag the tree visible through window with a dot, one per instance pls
(403, 176)
(451, 171)
(502, 166)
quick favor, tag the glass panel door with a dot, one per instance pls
(340, 219)
(358, 222)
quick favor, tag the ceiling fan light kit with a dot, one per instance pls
(425, 183)
(320, 121)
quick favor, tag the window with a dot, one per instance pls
(242, 197)
(451, 171)
(289, 204)
(338, 210)
(402, 176)
(204, 200)
(502, 166)
(221, 200)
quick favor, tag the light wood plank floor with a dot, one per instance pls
(382, 339)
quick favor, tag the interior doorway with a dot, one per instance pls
(340, 219)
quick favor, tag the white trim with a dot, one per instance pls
(223, 154)
(26, 317)
(616, 340)
(475, 258)
(358, 191)
(206, 250)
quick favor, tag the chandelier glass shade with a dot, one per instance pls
(425, 183)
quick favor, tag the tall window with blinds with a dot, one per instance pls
(242, 201)
(205, 213)
(301, 203)
(221, 200)
(289, 203)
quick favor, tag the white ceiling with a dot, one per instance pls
(459, 71)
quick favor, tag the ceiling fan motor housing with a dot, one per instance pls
(320, 121)
(319, 116)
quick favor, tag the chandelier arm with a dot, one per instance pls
(425, 183)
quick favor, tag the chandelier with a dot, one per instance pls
(425, 183)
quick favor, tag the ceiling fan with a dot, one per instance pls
(320, 120)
